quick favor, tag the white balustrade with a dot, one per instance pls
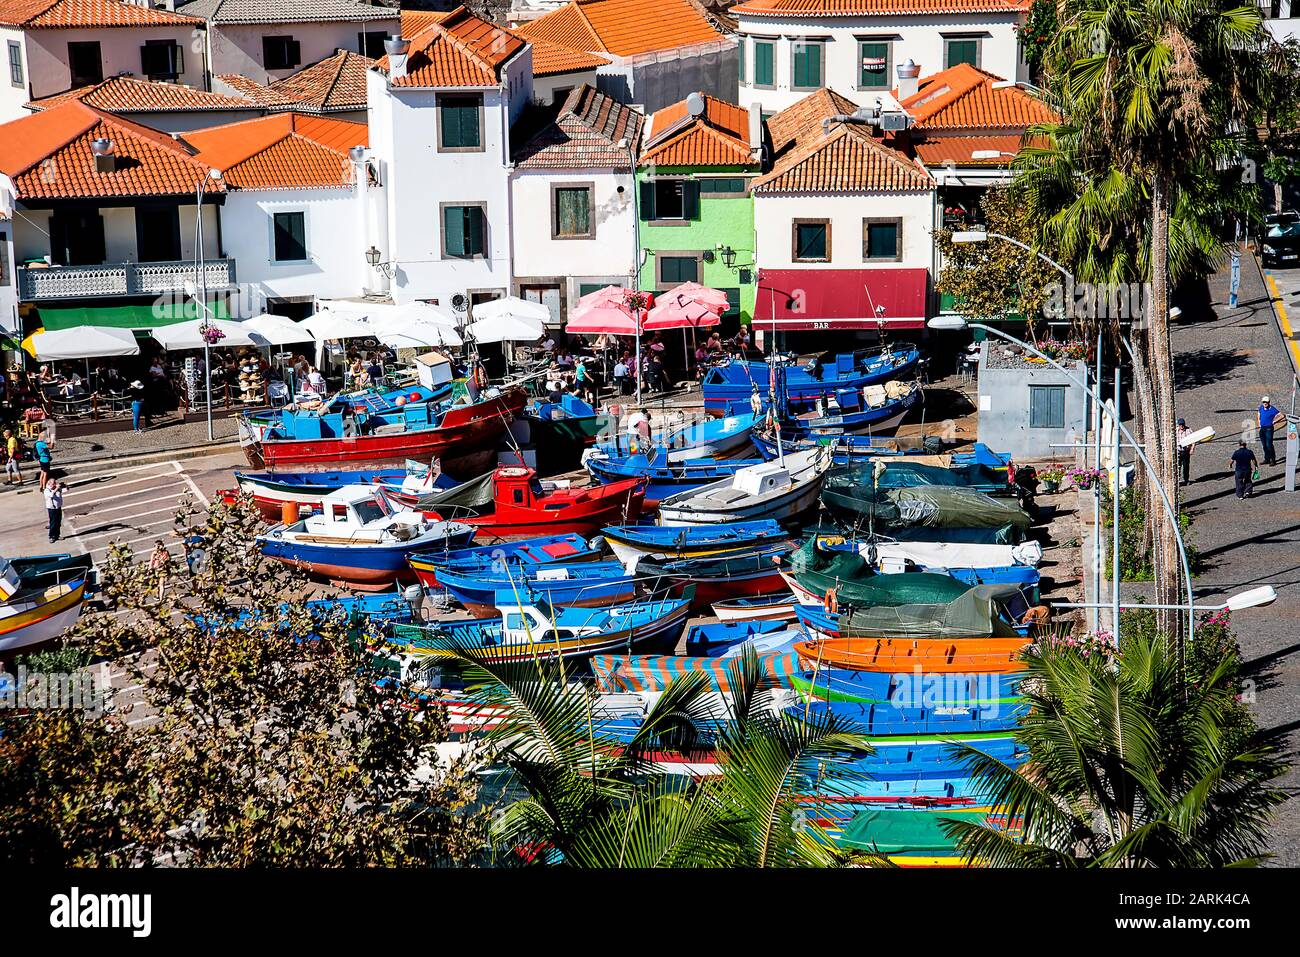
(120, 279)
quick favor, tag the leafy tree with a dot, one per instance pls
(1132, 764)
(1037, 33)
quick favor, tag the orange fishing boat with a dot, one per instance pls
(938, 655)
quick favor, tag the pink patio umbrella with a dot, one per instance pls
(614, 311)
(703, 294)
(679, 309)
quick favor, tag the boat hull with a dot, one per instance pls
(800, 499)
(742, 610)
(43, 622)
(371, 565)
(906, 655)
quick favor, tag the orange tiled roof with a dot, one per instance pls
(718, 137)
(283, 151)
(414, 21)
(585, 135)
(48, 156)
(935, 151)
(844, 159)
(963, 97)
(552, 59)
(336, 83)
(129, 94)
(460, 50)
(867, 8)
(623, 27)
(87, 14)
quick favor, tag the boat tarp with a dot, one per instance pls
(973, 614)
(474, 494)
(856, 583)
(848, 491)
(911, 473)
(899, 831)
(960, 555)
(632, 673)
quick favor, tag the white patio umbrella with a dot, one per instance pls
(416, 312)
(327, 324)
(511, 306)
(186, 335)
(417, 334)
(507, 327)
(84, 342)
(272, 330)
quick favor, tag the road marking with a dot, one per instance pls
(1282, 318)
(147, 501)
(110, 470)
(131, 541)
(93, 487)
(128, 528)
(180, 487)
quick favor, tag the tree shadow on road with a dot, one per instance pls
(1202, 367)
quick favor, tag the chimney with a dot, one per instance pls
(397, 50)
(756, 130)
(105, 161)
(908, 76)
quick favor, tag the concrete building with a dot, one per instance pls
(1029, 408)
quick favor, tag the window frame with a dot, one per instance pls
(306, 246)
(807, 43)
(950, 38)
(17, 69)
(364, 35)
(662, 254)
(769, 44)
(794, 240)
(442, 230)
(178, 59)
(4, 259)
(1055, 390)
(86, 44)
(888, 44)
(656, 218)
(589, 187)
(723, 194)
(292, 51)
(741, 60)
(867, 223)
(441, 99)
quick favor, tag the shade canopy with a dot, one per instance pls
(703, 294)
(676, 311)
(373, 313)
(507, 327)
(511, 307)
(272, 330)
(84, 342)
(417, 334)
(607, 311)
(328, 324)
(187, 335)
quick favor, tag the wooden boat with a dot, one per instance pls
(718, 577)
(359, 541)
(941, 723)
(420, 431)
(707, 439)
(874, 687)
(40, 598)
(485, 559)
(936, 655)
(631, 543)
(874, 408)
(362, 400)
(570, 420)
(537, 630)
(581, 585)
(979, 613)
(513, 503)
(271, 490)
(664, 477)
(817, 567)
(938, 510)
(912, 837)
(773, 490)
(735, 382)
(775, 607)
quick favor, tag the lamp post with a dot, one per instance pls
(955, 323)
(201, 282)
(1254, 598)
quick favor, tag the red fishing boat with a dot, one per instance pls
(415, 431)
(512, 503)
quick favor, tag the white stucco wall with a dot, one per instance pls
(774, 218)
(8, 279)
(237, 48)
(545, 87)
(32, 233)
(12, 97)
(608, 253)
(47, 54)
(919, 38)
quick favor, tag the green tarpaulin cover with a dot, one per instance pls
(848, 493)
(973, 614)
(856, 583)
(899, 831)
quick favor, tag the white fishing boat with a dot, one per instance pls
(777, 490)
(39, 607)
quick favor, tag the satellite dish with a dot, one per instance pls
(695, 104)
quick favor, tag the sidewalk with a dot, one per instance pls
(177, 437)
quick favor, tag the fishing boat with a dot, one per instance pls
(361, 400)
(710, 438)
(631, 543)
(775, 607)
(512, 502)
(718, 577)
(874, 687)
(912, 837)
(487, 559)
(526, 631)
(272, 490)
(982, 611)
(874, 408)
(918, 723)
(930, 655)
(663, 477)
(359, 541)
(898, 557)
(40, 598)
(420, 431)
(974, 476)
(774, 490)
(859, 449)
(637, 673)
(571, 420)
(582, 585)
(849, 495)
(818, 573)
(737, 380)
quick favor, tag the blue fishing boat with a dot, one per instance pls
(581, 585)
(569, 420)
(488, 559)
(937, 724)
(874, 408)
(889, 558)
(878, 687)
(665, 477)
(707, 438)
(737, 380)
(631, 543)
(726, 639)
(271, 490)
(362, 400)
(847, 449)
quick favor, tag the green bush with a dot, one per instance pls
(1135, 561)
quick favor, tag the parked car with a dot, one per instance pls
(1281, 243)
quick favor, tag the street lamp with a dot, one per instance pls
(955, 323)
(990, 154)
(983, 236)
(201, 281)
(1254, 598)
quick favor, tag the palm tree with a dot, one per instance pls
(1155, 87)
(1130, 765)
(590, 800)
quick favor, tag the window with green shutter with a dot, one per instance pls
(459, 121)
(873, 60)
(740, 59)
(764, 63)
(812, 240)
(290, 231)
(959, 50)
(807, 63)
(1047, 406)
(880, 238)
(571, 209)
(726, 185)
(463, 232)
(733, 303)
(674, 270)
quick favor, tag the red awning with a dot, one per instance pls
(842, 298)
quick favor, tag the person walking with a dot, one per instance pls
(1243, 470)
(1184, 452)
(622, 376)
(160, 564)
(44, 458)
(1268, 420)
(136, 391)
(13, 474)
(54, 508)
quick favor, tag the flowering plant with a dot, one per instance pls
(1071, 349)
(1085, 477)
(1051, 473)
(1100, 643)
(211, 334)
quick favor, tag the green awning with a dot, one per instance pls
(128, 316)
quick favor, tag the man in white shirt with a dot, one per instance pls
(54, 508)
(638, 423)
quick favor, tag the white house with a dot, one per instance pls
(844, 223)
(790, 48)
(269, 41)
(441, 110)
(9, 325)
(572, 193)
(1279, 19)
(50, 46)
(291, 211)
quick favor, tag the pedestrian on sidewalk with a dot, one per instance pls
(54, 508)
(13, 474)
(1268, 420)
(137, 404)
(160, 564)
(44, 458)
(1243, 470)
(1184, 451)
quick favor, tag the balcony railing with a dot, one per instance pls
(36, 283)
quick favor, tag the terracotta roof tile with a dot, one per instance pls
(552, 59)
(414, 21)
(283, 151)
(48, 156)
(847, 158)
(128, 94)
(963, 97)
(934, 151)
(623, 27)
(459, 50)
(865, 8)
(585, 135)
(336, 83)
(288, 11)
(718, 137)
(87, 14)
